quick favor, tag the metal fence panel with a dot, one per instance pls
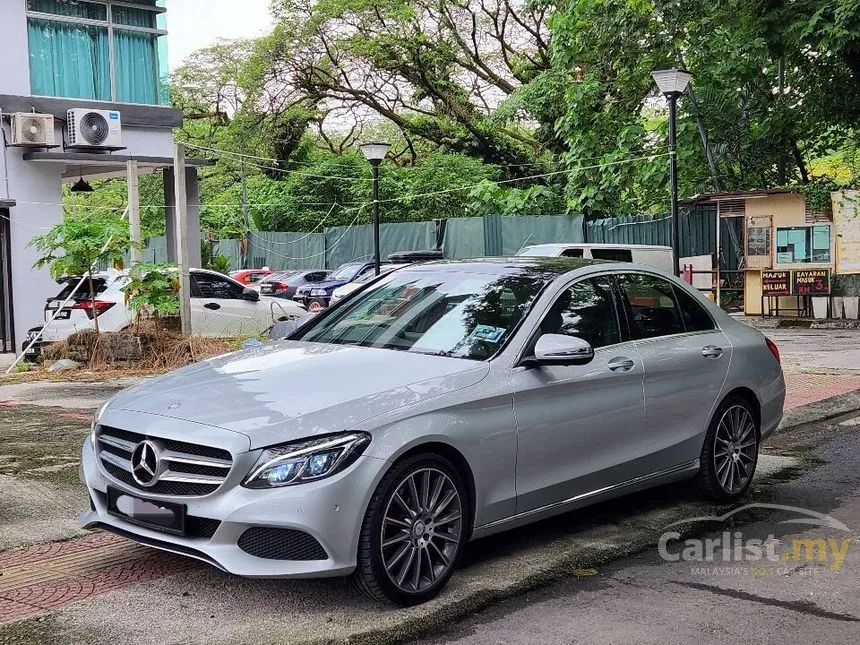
(525, 230)
(278, 250)
(464, 238)
(344, 243)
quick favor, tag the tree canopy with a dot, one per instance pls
(517, 106)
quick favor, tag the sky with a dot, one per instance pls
(196, 23)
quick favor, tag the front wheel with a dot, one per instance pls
(414, 531)
(730, 453)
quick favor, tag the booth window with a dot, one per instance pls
(803, 244)
(98, 49)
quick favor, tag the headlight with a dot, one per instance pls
(318, 292)
(304, 461)
(96, 416)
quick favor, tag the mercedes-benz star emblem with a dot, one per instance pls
(145, 463)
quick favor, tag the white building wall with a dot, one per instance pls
(37, 186)
(14, 50)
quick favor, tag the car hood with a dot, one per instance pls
(292, 389)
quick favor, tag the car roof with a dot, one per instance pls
(595, 245)
(507, 265)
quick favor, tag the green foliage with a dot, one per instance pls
(75, 245)
(221, 264)
(152, 290)
(817, 193)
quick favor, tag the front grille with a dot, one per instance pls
(200, 527)
(281, 544)
(186, 469)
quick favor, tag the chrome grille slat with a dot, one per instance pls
(116, 442)
(175, 457)
(188, 470)
(173, 476)
(119, 462)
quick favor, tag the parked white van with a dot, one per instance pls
(655, 256)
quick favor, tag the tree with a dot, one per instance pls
(77, 244)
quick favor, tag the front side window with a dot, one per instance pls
(651, 305)
(443, 314)
(98, 50)
(586, 311)
(571, 253)
(215, 287)
(803, 244)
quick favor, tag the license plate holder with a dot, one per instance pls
(160, 516)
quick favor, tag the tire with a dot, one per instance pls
(316, 305)
(437, 546)
(730, 452)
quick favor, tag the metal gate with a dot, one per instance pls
(7, 334)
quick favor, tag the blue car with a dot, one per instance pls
(316, 297)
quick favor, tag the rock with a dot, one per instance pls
(64, 365)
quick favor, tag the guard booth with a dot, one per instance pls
(7, 334)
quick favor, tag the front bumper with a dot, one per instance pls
(330, 510)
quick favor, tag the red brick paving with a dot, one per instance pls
(43, 577)
(803, 389)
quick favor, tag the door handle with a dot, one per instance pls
(712, 351)
(212, 305)
(621, 364)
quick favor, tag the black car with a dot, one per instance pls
(283, 284)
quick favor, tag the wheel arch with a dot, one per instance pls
(750, 397)
(459, 461)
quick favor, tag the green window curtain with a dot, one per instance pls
(74, 8)
(134, 17)
(137, 69)
(68, 60)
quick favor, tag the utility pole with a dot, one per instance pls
(246, 246)
(133, 211)
(181, 227)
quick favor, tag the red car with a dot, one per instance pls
(250, 276)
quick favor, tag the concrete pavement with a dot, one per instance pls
(645, 599)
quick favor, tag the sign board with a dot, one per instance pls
(846, 220)
(776, 283)
(811, 282)
(758, 241)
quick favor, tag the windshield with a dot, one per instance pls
(440, 313)
(345, 271)
(279, 276)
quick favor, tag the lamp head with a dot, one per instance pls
(375, 151)
(672, 81)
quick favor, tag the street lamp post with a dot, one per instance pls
(672, 83)
(375, 152)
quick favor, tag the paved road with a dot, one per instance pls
(644, 599)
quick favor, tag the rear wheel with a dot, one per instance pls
(414, 531)
(730, 453)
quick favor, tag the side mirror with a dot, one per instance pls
(284, 328)
(250, 294)
(557, 349)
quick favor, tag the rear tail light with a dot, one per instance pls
(281, 286)
(773, 349)
(93, 308)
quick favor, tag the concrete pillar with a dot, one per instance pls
(193, 231)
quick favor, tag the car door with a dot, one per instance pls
(686, 359)
(218, 308)
(577, 425)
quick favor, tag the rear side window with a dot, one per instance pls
(83, 293)
(572, 253)
(616, 255)
(651, 305)
(696, 318)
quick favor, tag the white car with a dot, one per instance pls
(655, 256)
(220, 307)
(344, 290)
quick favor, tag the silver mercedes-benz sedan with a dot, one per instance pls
(441, 403)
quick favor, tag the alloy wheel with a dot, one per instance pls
(735, 449)
(421, 530)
